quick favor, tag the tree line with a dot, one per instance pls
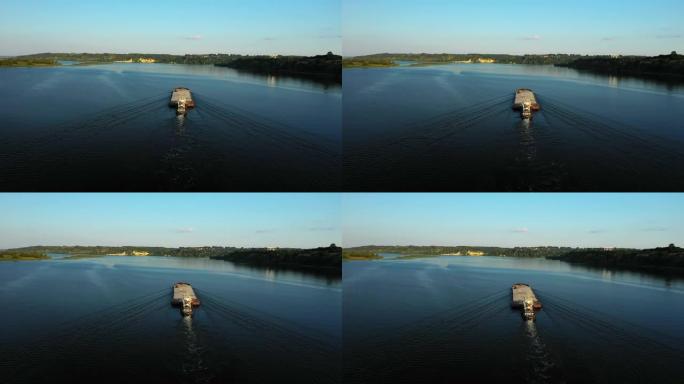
(544, 251)
(329, 65)
(670, 66)
(443, 58)
(321, 257)
(108, 250)
(670, 257)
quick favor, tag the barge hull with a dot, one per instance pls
(523, 297)
(179, 94)
(521, 292)
(182, 290)
(523, 96)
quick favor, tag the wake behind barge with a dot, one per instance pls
(184, 297)
(523, 297)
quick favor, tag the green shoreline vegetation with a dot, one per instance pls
(328, 65)
(13, 255)
(286, 258)
(422, 59)
(352, 255)
(666, 67)
(663, 66)
(108, 58)
(668, 260)
(78, 250)
(423, 251)
(322, 257)
(368, 63)
(17, 62)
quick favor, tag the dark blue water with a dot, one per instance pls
(109, 319)
(451, 127)
(448, 319)
(109, 127)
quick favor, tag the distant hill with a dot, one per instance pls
(78, 250)
(460, 250)
(662, 258)
(386, 59)
(102, 58)
(291, 258)
(669, 66)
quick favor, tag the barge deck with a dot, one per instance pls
(185, 298)
(526, 102)
(523, 297)
(181, 99)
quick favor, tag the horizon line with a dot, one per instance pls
(157, 246)
(493, 246)
(155, 53)
(508, 54)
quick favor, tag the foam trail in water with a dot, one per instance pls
(539, 361)
(193, 366)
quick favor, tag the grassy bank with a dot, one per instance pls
(19, 62)
(368, 63)
(20, 256)
(351, 255)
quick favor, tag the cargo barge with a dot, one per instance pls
(523, 297)
(181, 99)
(525, 102)
(184, 297)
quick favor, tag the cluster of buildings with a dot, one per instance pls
(467, 253)
(481, 60)
(140, 60)
(134, 253)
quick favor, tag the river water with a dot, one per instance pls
(448, 319)
(109, 319)
(109, 128)
(452, 128)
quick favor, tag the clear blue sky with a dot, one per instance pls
(513, 26)
(585, 220)
(284, 220)
(170, 26)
